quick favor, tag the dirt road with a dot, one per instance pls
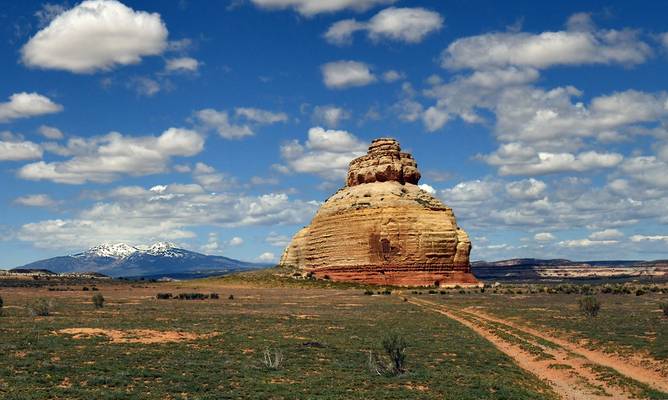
(571, 370)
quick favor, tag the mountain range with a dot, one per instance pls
(159, 260)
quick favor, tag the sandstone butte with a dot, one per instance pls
(381, 228)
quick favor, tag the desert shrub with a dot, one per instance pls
(640, 291)
(163, 296)
(231, 297)
(272, 360)
(94, 289)
(606, 289)
(214, 296)
(85, 288)
(462, 291)
(1, 305)
(98, 300)
(589, 306)
(431, 291)
(664, 307)
(393, 363)
(40, 307)
(368, 292)
(192, 296)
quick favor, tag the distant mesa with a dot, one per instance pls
(381, 228)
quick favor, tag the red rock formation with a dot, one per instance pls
(383, 229)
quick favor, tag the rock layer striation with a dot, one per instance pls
(383, 229)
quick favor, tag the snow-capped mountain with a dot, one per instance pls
(160, 259)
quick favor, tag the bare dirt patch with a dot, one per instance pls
(143, 336)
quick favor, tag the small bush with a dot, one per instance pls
(98, 300)
(1, 305)
(231, 297)
(589, 306)
(432, 291)
(664, 307)
(272, 360)
(393, 364)
(640, 292)
(163, 296)
(94, 289)
(368, 292)
(41, 307)
(215, 296)
(192, 296)
(85, 288)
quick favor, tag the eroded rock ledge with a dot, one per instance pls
(383, 229)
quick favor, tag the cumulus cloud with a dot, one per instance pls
(235, 241)
(277, 240)
(266, 257)
(182, 64)
(392, 76)
(36, 200)
(50, 132)
(260, 116)
(606, 234)
(526, 189)
(547, 49)
(544, 237)
(326, 153)
(19, 150)
(96, 35)
(345, 74)
(151, 214)
(107, 158)
(221, 121)
(542, 163)
(310, 8)
(25, 105)
(329, 115)
(409, 25)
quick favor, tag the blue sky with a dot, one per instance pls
(221, 126)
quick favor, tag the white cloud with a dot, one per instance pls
(36, 200)
(546, 49)
(470, 191)
(25, 105)
(526, 189)
(220, 121)
(266, 257)
(427, 188)
(606, 234)
(182, 64)
(144, 86)
(664, 39)
(235, 241)
(329, 115)
(586, 243)
(50, 132)
(544, 237)
(152, 215)
(409, 25)
(345, 74)
(326, 153)
(106, 158)
(650, 238)
(96, 35)
(542, 163)
(19, 150)
(209, 178)
(277, 240)
(260, 116)
(392, 76)
(310, 8)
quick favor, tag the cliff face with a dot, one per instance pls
(383, 229)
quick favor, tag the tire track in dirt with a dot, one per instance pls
(628, 368)
(567, 372)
